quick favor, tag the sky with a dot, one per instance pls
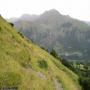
(79, 9)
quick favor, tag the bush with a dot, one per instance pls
(44, 49)
(43, 64)
(53, 53)
(21, 34)
(85, 83)
(0, 29)
(11, 24)
(67, 63)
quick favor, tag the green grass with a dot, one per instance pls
(21, 60)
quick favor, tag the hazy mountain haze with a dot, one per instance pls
(75, 8)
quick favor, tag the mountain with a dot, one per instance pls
(69, 37)
(25, 66)
(25, 17)
(87, 22)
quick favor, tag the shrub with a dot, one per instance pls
(68, 64)
(11, 24)
(85, 83)
(53, 53)
(0, 29)
(44, 48)
(43, 64)
(21, 34)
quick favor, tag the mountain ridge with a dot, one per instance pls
(68, 36)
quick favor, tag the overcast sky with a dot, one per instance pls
(79, 9)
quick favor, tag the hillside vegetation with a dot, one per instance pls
(25, 66)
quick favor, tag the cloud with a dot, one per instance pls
(75, 8)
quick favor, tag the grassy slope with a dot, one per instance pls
(19, 64)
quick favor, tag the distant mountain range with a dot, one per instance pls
(69, 37)
(87, 22)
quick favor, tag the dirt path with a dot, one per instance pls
(57, 84)
(39, 74)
